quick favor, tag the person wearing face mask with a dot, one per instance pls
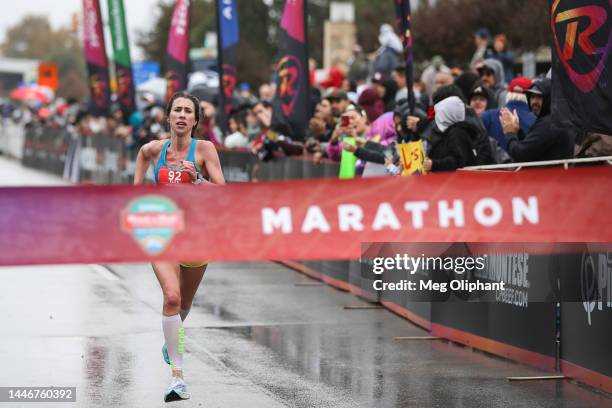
(543, 141)
(179, 160)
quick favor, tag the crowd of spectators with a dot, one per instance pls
(472, 114)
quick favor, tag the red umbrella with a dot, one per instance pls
(31, 93)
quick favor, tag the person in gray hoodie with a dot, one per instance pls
(491, 74)
(451, 145)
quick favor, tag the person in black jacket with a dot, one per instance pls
(543, 141)
(451, 144)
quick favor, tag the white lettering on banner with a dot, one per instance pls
(227, 10)
(480, 212)
(416, 208)
(522, 210)
(116, 15)
(513, 271)
(315, 220)
(90, 24)
(455, 212)
(487, 212)
(180, 20)
(273, 220)
(385, 217)
(349, 217)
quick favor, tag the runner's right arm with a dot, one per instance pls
(143, 161)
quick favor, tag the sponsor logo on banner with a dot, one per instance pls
(97, 84)
(290, 71)
(152, 221)
(229, 83)
(513, 270)
(124, 86)
(582, 26)
(596, 282)
(173, 84)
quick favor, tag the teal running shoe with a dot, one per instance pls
(177, 390)
(165, 354)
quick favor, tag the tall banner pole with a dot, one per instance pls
(412, 150)
(403, 18)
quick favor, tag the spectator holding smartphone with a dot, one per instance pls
(352, 123)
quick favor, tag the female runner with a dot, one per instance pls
(180, 159)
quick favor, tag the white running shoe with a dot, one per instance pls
(177, 390)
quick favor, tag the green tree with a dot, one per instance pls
(439, 27)
(254, 49)
(447, 26)
(34, 38)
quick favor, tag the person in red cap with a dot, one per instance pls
(516, 100)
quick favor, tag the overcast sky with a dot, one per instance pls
(140, 14)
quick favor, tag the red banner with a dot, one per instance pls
(311, 219)
(177, 49)
(95, 57)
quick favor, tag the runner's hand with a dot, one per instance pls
(190, 169)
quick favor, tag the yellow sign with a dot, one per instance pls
(412, 155)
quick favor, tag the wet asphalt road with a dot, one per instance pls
(253, 339)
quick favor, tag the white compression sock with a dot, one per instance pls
(183, 313)
(174, 335)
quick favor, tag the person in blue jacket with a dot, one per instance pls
(516, 101)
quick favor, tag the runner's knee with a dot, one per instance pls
(172, 300)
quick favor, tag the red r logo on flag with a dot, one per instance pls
(597, 18)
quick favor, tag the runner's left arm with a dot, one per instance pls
(213, 165)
